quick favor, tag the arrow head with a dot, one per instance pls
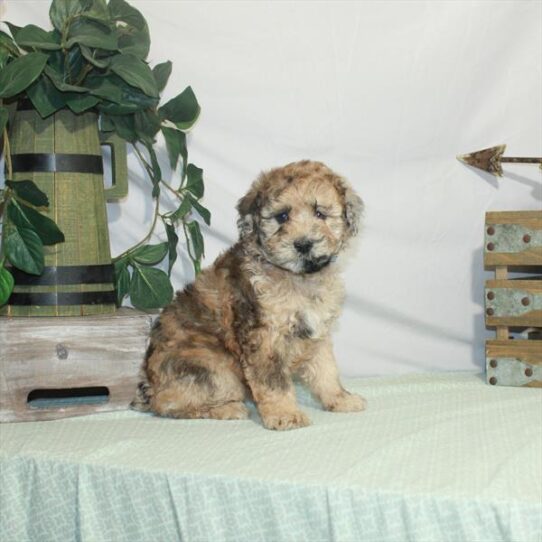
(486, 159)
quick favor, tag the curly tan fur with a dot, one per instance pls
(263, 311)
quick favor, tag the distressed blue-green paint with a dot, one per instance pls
(508, 302)
(508, 239)
(511, 372)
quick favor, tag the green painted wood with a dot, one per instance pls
(77, 203)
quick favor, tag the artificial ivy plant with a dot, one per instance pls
(94, 58)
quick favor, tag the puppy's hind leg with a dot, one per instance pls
(198, 385)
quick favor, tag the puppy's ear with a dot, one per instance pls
(248, 207)
(353, 208)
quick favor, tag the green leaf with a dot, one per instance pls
(92, 34)
(89, 55)
(183, 110)
(146, 125)
(62, 12)
(150, 288)
(24, 250)
(25, 217)
(132, 99)
(161, 74)
(99, 13)
(6, 285)
(7, 44)
(45, 97)
(183, 209)
(134, 42)
(156, 171)
(196, 239)
(122, 280)
(63, 68)
(172, 240)
(150, 254)
(106, 124)
(121, 11)
(132, 30)
(175, 144)
(20, 73)
(4, 57)
(8, 49)
(124, 126)
(32, 36)
(59, 83)
(105, 87)
(203, 211)
(13, 28)
(4, 117)
(28, 191)
(80, 102)
(195, 180)
(135, 72)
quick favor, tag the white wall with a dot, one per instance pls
(387, 93)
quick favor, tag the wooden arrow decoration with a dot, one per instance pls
(491, 159)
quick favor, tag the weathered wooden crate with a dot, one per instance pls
(68, 366)
(513, 243)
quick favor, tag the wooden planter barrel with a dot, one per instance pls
(62, 154)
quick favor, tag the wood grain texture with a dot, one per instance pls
(530, 218)
(528, 351)
(70, 352)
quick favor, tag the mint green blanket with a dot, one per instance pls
(435, 458)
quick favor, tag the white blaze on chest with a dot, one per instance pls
(297, 303)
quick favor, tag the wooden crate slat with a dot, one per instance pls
(514, 363)
(514, 303)
(513, 238)
(514, 217)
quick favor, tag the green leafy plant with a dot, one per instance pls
(95, 58)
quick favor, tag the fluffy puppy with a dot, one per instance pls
(263, 312)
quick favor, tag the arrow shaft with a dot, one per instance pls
(517, 160)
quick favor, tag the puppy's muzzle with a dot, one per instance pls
(315, 264)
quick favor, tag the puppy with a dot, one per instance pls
(263, 311)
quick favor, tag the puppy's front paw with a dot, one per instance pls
(347, 402)
(284, 421)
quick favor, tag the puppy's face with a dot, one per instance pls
(300, 215)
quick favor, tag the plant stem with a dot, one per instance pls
(187, 235)
(146, 238)
(171, 189)
(7, 155)
(146, 165)
(84, 72)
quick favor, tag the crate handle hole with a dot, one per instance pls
(58, 398)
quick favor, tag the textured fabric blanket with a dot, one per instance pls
(436, 457)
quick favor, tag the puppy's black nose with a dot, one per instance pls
(303, 246)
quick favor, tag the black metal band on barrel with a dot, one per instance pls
(68, 274)
(59, 163)
(61, 298)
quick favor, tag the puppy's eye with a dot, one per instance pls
(320, 215)
(281, 218)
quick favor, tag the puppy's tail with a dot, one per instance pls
(141, 401)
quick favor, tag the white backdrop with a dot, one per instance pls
(387, 93)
